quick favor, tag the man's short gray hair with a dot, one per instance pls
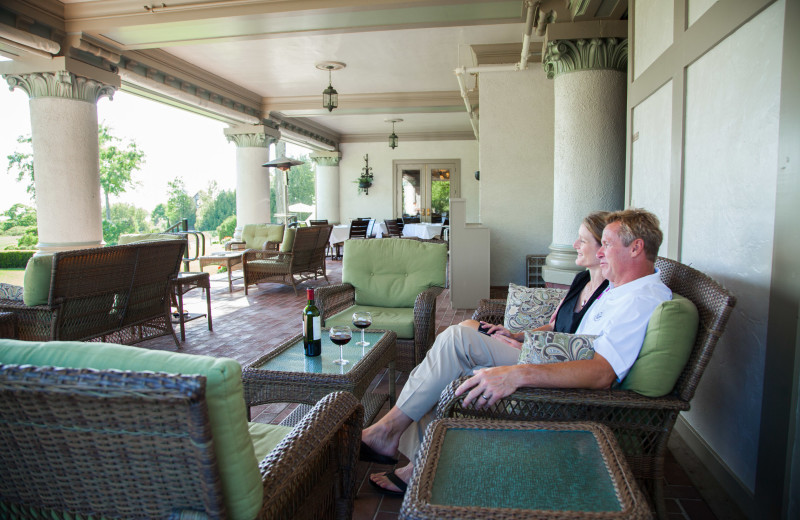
(638, 223)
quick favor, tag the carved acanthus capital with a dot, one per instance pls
(585, 54)
(250, 140)
(326, 158)
(62, 84)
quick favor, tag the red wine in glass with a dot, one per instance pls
(340, 336)
(362, 320)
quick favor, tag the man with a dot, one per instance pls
(618, 318)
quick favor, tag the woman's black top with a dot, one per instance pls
(567, 320)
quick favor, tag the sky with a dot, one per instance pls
(176, 143)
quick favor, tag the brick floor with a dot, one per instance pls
(247, 326)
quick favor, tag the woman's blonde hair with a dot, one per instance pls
(595, 222)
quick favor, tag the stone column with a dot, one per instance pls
(327, 185)
(252, 179)
(589, 78)
(65, 157)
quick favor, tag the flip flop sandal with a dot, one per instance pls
(394, 479)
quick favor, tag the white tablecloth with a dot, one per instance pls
(339, 234)
(379, 229)
(423, 230)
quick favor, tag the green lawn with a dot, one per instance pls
(12, 276)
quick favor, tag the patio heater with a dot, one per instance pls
(284, 164)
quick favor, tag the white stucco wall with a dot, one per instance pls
(697, 8)
(516, 150)
(650, 156)
(652, 32)
(730, 184)
(378, 204)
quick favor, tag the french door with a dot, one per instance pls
(424, 188)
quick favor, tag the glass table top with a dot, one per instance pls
(293, 359)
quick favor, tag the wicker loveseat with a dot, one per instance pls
(124, 432)
(641, 424)
(118, 293)
(397, 281)
(258, 236)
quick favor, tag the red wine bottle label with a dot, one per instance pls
(316, 322)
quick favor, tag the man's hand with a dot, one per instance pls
(489, 385)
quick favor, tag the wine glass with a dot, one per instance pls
(340, 335)
(362, 320)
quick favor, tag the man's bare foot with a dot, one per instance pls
(382, 481)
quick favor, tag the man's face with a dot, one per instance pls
(614, 256)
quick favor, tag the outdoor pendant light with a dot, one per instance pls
(393, 137)
(330, 98)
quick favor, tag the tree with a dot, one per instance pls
(180, 205)
(214, 207)
(21, 162)
(159, 215)
(117, 164)
(20, 215)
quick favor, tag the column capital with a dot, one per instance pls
(326, 158)
(60, 84)
(562, 56)
(251, 136)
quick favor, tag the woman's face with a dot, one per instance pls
(587, 247)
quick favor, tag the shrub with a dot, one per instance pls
(227, 227)
(15, 259)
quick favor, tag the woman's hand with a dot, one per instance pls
(511, 341)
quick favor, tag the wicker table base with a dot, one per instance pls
(230, 259)
(285, 375)
(471, 468)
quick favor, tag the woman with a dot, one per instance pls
(586, 287)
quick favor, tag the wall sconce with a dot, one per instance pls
(330, 98)
(393, 137)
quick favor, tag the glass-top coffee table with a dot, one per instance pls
(230, 259)
(472, 468)
(286, 375)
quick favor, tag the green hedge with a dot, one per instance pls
(14, 259)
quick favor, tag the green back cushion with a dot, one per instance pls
(241, 479)
(36, 282)
(146, 237)
(670, 336)
(266, 233)
(288, 239)
(391, 272)
(248, 232)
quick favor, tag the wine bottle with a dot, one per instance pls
(312, 328)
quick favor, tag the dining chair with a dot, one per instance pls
(358, 228)
(318, 222)
(393, 229)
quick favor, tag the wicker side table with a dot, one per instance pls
(185, 282)
(471, 468)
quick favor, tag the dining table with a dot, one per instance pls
(423, 230)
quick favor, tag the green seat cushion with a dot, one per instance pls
(270, 265)
(398, 319)
(392, 272)
(241, 479)
(288, 240)
(36, 282)
(671, 334)
(265, 437)
(146, 237)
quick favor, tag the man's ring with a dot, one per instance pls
(486, 397)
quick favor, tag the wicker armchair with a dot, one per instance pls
(79, 442)
(641, 424)
(374, 275)
(304, 261)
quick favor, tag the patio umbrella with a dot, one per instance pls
(299, 207)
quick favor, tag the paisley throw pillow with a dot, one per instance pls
(10, 292)
(530, 307)
(542, 347)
